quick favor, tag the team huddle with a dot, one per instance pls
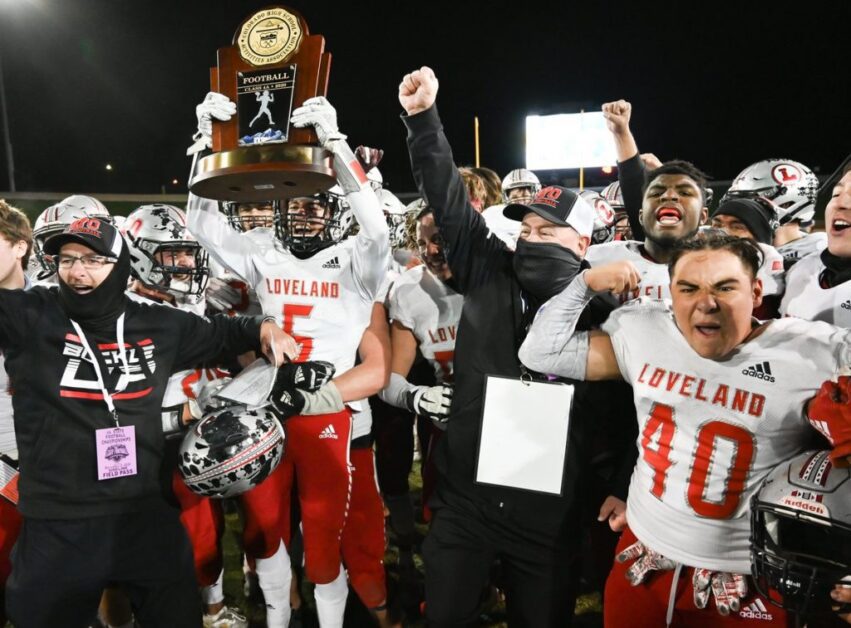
(710, 432)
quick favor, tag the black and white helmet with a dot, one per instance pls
(604, 217)
(520, 178)
(153, 234)
(788, 184)
(55, 218)
(613, 195)
(801, 533)
(230, 451)
(295, 230)
(394, 212)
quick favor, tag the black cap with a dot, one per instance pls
(95, 233)
(561, 206)
(759, 217)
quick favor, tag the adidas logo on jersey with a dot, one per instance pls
(334, 262)
(328, 432)
(760, 371)
(846, 305)
(756, 610)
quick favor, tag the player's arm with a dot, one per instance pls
(372, 245)
(373, 372)
(553, 345)
(472, 253)
(631, 170)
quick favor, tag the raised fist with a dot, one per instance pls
(418, 90)
(616, 277)
(617, 116)
(830, 413)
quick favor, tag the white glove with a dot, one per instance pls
(318, 113)
(221, 295)
(207, 400)
(216, 106)
(726, 588)
(431, 402)
(646, 560)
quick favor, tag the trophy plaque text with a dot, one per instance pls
(273, 66)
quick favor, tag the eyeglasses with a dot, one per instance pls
(89, 262)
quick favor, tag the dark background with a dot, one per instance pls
(91, 82)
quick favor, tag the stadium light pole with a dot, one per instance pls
(7, 139)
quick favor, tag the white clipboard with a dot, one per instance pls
(523, 437)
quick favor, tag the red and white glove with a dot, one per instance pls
(727, 589)
(646, 560)
(830, 413)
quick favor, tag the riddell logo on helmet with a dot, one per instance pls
(89, 226)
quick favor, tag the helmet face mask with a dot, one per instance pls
(519, 179)
(788, 184)
(801, 534)
(309, 224)
(247, 216)
(157, 237)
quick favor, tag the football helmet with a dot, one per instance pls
(613, 195)
(154, 234)
(249, 222)
(604, 217)
(394, 212)
(309, 224)
(230, 451)
(520, 178)
(801, 533)
(55, 218)
(788, 184)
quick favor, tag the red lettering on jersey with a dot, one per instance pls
(301, 288)
(673, 378)
(688, 380)
(698, 393)
(643, 371)
(720, 397)
(188, 381)
(757, 405)
(657, 376)
(740, 397)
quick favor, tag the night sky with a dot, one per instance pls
(91, 82)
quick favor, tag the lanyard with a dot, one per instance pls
(125, 376)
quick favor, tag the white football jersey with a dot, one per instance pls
(655, 281)
(805, 298)
(709, 432)
(772, 271)
(324, 301)
(8, 444)
(249, 304)
(431, 310)
(800, 248)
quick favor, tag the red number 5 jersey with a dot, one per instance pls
(710, 431)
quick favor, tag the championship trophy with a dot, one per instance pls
(273, 66)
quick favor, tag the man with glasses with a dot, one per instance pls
(89, 368)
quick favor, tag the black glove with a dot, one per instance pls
(293, 378)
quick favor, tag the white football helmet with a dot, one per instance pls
(604, 217)
(613, 195)
(297, 231)
(394, 212)
(154, 231)
(520, 178)
(788, 184)
(249, 222)
(55, 218)
(376, 179)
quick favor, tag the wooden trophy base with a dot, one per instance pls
(264, 173)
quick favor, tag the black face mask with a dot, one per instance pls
(838, 268)
(545, 269)
(99, 309)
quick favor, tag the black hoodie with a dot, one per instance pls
(58, 404)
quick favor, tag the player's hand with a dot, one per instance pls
(841, 593)
(318, 113)
(614, 510)
(728, 589)
(617, 115)
(431, 402)
(418, 90)
(221, 295)
(277, 344)
(215, 106)
(615, 277)
(307, 376)
(651, 161)
(646, 561)
(830, 413)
